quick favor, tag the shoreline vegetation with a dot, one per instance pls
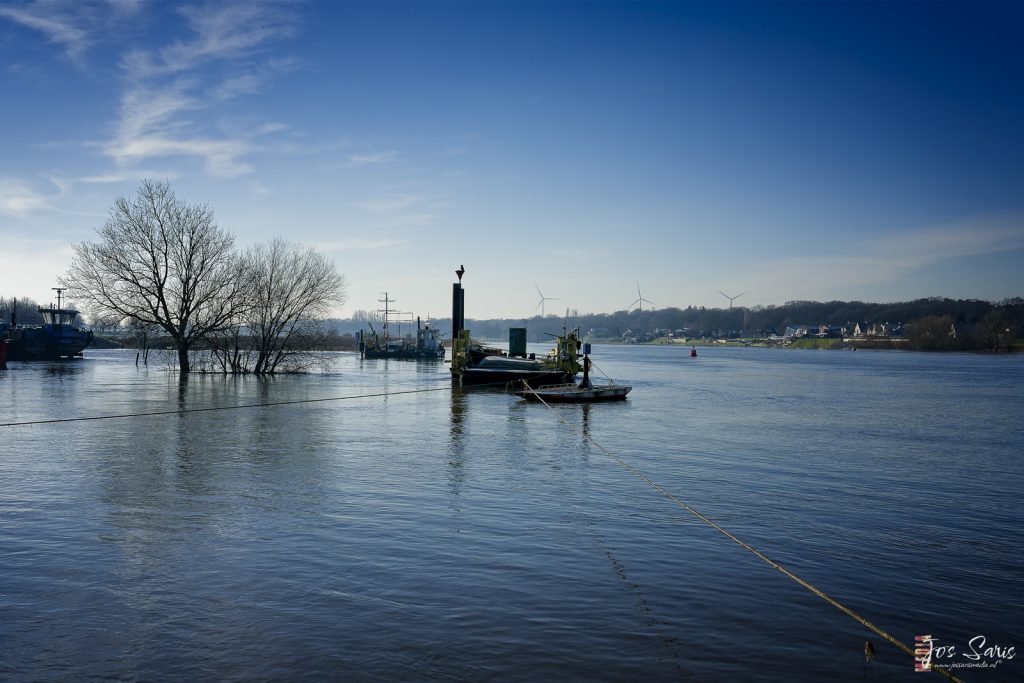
(349, 343)
(849, 344)
(993, 328)
(946, 325)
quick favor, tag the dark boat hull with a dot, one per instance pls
(411, 354)
(40, 343)
(494, 370)
(574, 394)
(476, 377)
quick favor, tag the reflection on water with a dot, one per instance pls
(456, 446)
(471, 535)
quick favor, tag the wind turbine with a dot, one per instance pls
(640, 299)
(731, 298)
(540, 305)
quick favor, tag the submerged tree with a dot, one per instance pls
(292, 290)
(162, 262)
(289, 290)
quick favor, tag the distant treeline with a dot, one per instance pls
(927, 324)
(27, 311)
(966, 323)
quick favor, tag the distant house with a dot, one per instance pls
(821, 331)
(800, 331)
(865, 330)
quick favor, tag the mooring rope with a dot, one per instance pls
(746, 546)
(606, 375)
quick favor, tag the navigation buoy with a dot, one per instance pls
(693, 352)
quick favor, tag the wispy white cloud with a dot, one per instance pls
(18, 198)
(368, 158)
(146, 110)
(25, 71)
(253, 80)
(61, 184)
(237, 86)
(169, 90)
(225, 31)
(225, 52)
(73, 26)
(59, 23)
(220, 157)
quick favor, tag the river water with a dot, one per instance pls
(470, 536)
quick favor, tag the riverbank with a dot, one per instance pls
(901, 344)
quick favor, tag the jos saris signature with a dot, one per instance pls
(978, 653)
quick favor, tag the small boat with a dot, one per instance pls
(584, 392)
(573, 393)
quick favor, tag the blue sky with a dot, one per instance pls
(812, 150)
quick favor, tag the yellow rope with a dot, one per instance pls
(746, 546)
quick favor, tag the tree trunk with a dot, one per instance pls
(183, 366)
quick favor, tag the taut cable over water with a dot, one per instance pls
(746, 546)
(182, 411)
(269, 404)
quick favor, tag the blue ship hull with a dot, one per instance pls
(46, 342)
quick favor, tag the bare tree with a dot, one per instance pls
(160, 261)
(290, 291)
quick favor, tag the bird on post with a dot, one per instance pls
(460, 271)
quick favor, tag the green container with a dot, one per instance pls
(517, 341)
